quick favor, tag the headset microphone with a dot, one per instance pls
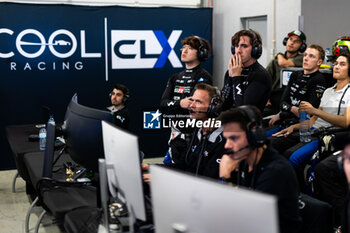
(232, 152)
(191, 111)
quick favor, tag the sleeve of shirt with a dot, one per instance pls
(122, 119)
(167, 103)
(205, 77)
(285, 98)
(318, 87)
(297, 60)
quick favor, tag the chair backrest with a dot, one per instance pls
(285, 75)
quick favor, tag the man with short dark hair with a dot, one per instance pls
(252, 163)
(292, 57)
(246, 81)
(119, 99)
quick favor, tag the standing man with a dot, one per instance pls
(292, 57)
(252, 163)
(119, 99)
(175, 99)
(246, 81)
(307, 85)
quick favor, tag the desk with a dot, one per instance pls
(17, 136)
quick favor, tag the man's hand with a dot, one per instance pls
(284, 132)
(235, 65)
(307, 107)
(146, 177)
(268, 103)
(144, 166)
(228, 165)
(186, 103)
(274, 119)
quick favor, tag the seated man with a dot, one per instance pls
(202, 155)
(307, 85)
(119, 99)
(329, 182)
(246, 81)
(346, 166)
(333, 111)
(252, 163)
(292, 57)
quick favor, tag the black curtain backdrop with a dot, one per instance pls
(50, 52)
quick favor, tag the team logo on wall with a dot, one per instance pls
(130, 49)
(135, 49)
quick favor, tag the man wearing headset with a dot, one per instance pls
(246, 81)
(334, 110)
(307, 85)
(176, 97)
(119, 99)
(202, 155)
(250, 162)
(292, 57)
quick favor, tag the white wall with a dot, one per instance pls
(227, 20)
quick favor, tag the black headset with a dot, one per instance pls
(302, 47)
(256, 46)
(215, 106)
(203, 53)
(126, 93)
(255, 132)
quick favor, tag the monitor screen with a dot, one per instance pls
(122, 152)
(83, 133)
(184, 203)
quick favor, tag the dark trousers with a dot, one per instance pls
(298, 153)
(330, 185)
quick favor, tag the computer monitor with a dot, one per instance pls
(83, 133)
(122, 154)
(184, 203)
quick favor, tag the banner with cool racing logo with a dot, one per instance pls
(49, 52)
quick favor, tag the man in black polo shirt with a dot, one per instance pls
(252, 163)
(307, 85)
(246, 81)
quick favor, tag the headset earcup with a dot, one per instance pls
(256, 51)
(285, 40)
(302, 48)
(233, 50)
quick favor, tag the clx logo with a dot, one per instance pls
(143, 49)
